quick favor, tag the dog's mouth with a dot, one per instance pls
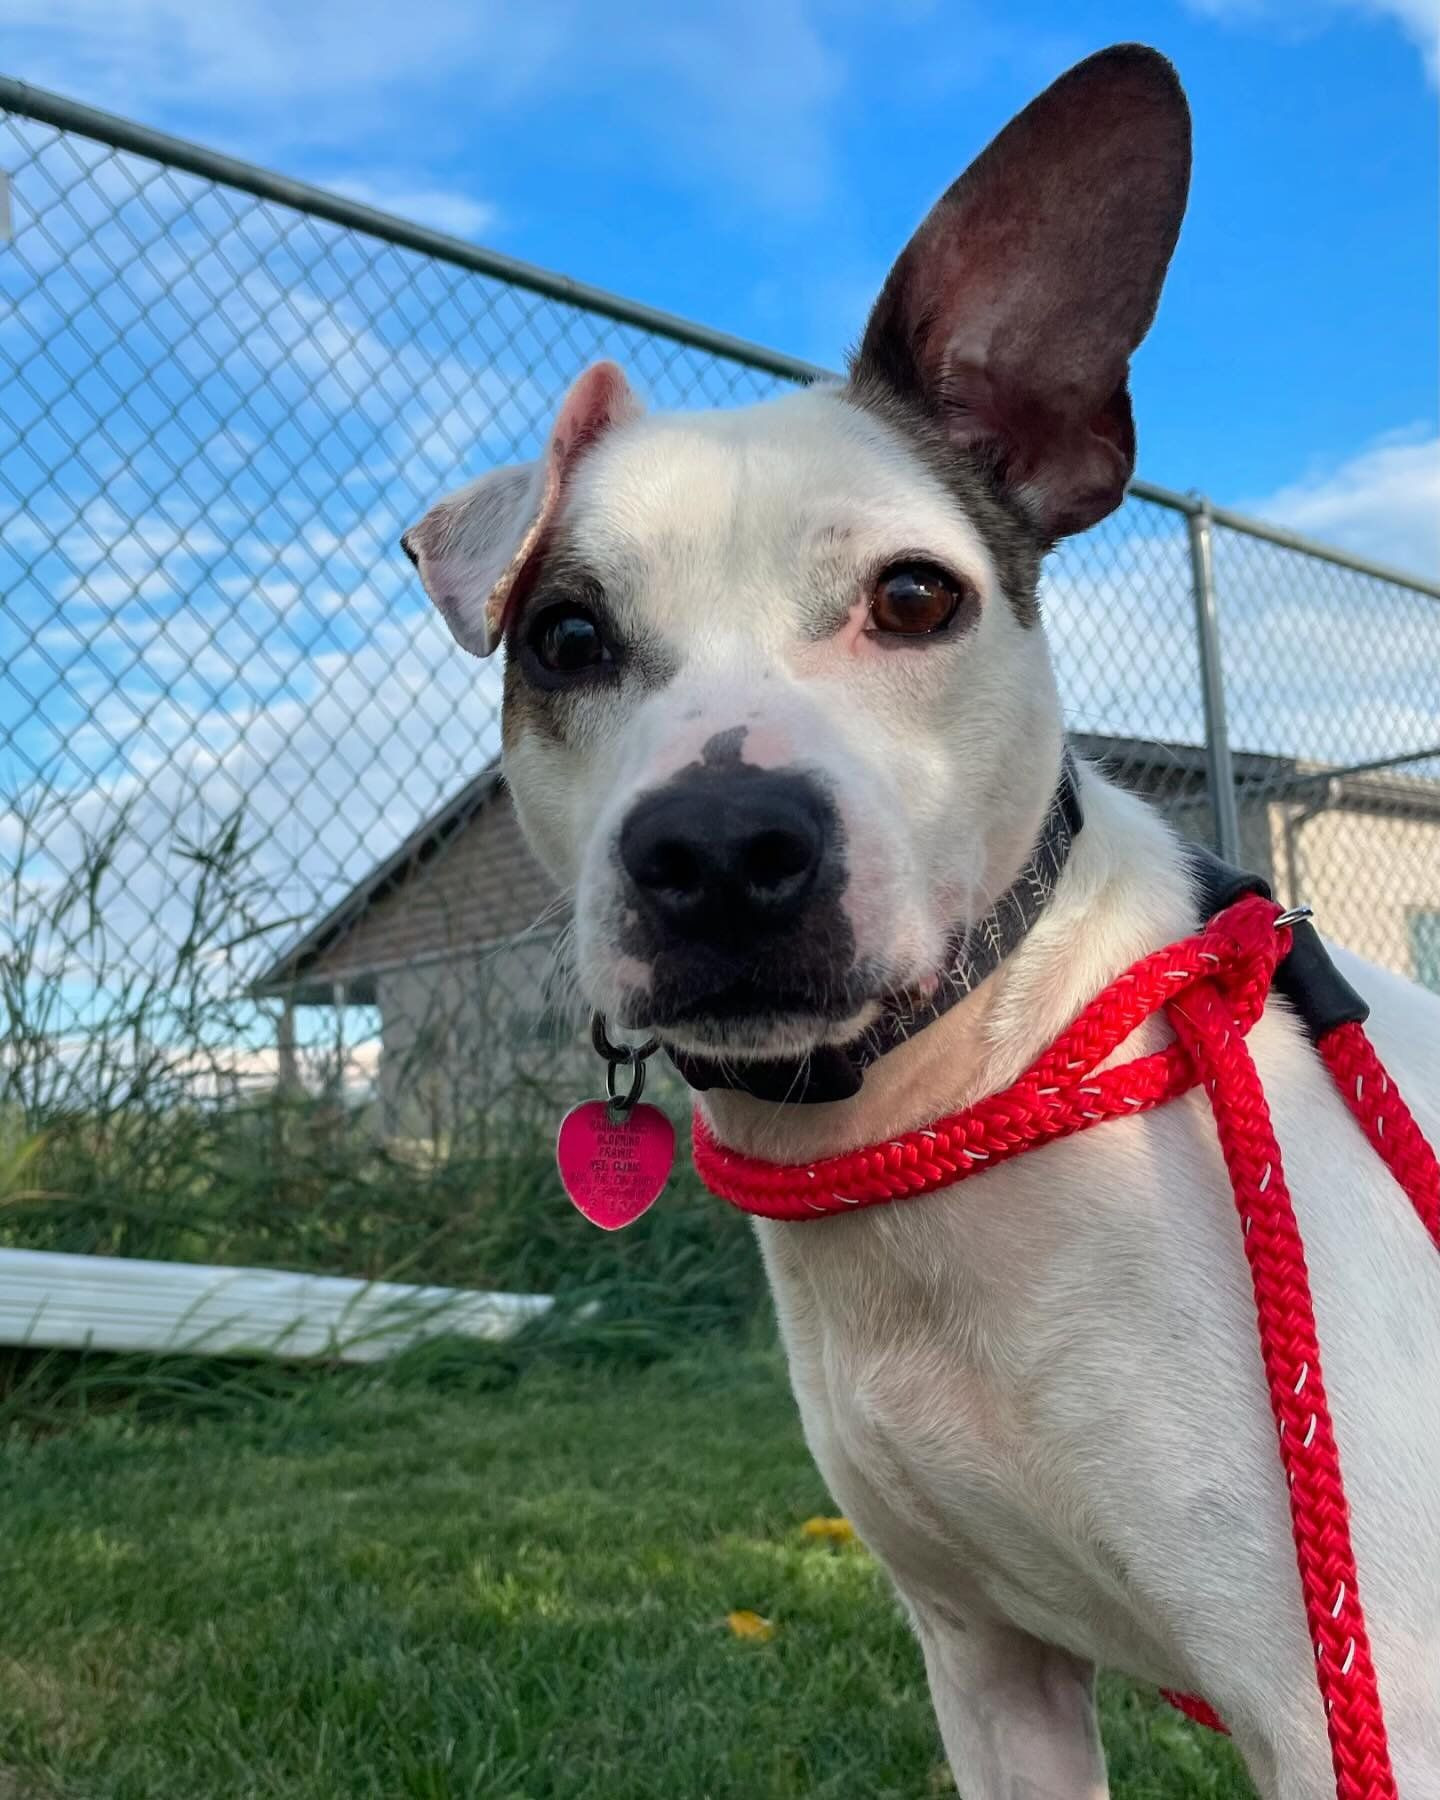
(748, 1018)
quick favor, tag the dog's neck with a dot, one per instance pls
(1123, 891)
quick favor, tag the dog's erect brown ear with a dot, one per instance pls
(473, 548)
(1012, 313)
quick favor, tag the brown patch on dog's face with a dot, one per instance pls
(524, 709)
(524, 706)
(534, 699)
(1011, 537)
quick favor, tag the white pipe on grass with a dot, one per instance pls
(56, 1301)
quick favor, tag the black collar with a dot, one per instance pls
(835, 1072)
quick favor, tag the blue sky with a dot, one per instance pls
(757, 163)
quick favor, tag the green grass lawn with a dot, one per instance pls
(380, 1589)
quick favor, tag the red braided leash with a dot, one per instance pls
(1213, 987)
(1385, 1119)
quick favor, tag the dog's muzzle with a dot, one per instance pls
(733, 881)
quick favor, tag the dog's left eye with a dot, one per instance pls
(914, 600)
(567, 640)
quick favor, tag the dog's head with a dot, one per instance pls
(778, 710)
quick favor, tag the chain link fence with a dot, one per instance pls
(251, 842)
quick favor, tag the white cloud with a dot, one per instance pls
(330, 772)
(265, 54)
(1320, 663)
(1384, 502)
(738, 90)
(441, 208)
(1418, 19)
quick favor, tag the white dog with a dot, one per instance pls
(780, 714)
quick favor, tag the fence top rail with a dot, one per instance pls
(1225, 516)
(47, 108)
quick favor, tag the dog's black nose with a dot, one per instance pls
(730, 858)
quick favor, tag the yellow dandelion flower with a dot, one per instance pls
(830, 1531)
(747, 1624)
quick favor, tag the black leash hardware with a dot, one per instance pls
(1306, 977)
(617, 1057)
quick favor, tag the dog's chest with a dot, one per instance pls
(943, 1475)
(942, 1431)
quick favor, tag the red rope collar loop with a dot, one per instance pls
(1057, 1094)
(1213, 987)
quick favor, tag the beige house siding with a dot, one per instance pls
(1366, 872)
(460, 1035)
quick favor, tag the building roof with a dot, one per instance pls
(286, 975)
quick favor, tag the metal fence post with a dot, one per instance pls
(1219, 768)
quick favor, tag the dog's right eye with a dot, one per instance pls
(567, 640)
(914, 599)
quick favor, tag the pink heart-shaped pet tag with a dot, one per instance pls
(614, 1171)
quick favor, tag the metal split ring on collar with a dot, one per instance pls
(617, 1057)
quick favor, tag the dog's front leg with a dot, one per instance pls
(1017, 1717)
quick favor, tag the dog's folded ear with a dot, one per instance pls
(474, 548)
(1010, 317)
